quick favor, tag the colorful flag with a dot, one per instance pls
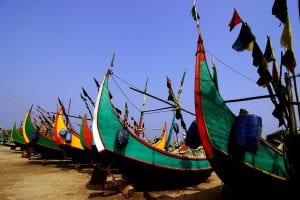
(235, 20)
(279, 9)
(269, 53)
(288, 60)
(286, 36)
(244, 39)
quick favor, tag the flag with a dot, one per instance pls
(265, 77)
(250, 46)
(288, 60)
(269, 53)
(171, 96)
(286, 36)
(279, 9)
(195, 13)
(215, 77)
(235, 20)
(244, 39)
(259, 60)
(257, 55)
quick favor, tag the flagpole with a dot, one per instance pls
(142, 109)
(296, 92)
(291, 120)
(159, 99)
(196, 17)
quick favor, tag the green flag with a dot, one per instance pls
(244, 39)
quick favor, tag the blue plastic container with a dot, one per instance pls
(248, 131)
(68, 137)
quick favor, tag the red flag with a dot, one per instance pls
(235, 20)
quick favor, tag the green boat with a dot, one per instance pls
(39, 142)
(86, 135)
(257, 170)
(140, 162)
(17, 138)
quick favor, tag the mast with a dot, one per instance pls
(292, 120)
(176, 108)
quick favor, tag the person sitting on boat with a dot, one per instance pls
(243, 111)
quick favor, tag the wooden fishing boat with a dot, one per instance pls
(161, 143)
(87, 142)
(69, 140)
(40, 143)
(259, 172)
(141, 163)
(6, 139)
(17, 138)
(86, 135)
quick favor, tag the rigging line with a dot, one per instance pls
(122, 80)
(162, 111)
(125, 95)
(20, 107)
(231, 67)
(158, 111)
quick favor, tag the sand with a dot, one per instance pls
(23, 178)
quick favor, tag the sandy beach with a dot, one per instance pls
(23, 178)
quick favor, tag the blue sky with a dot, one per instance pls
(52, 48)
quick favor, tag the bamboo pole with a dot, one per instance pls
(291, 120)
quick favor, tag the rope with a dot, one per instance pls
(231, 68)
(124, 93)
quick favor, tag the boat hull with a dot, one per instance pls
(153, 177)
(254, 173)
(142, 163)
(246, 181)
